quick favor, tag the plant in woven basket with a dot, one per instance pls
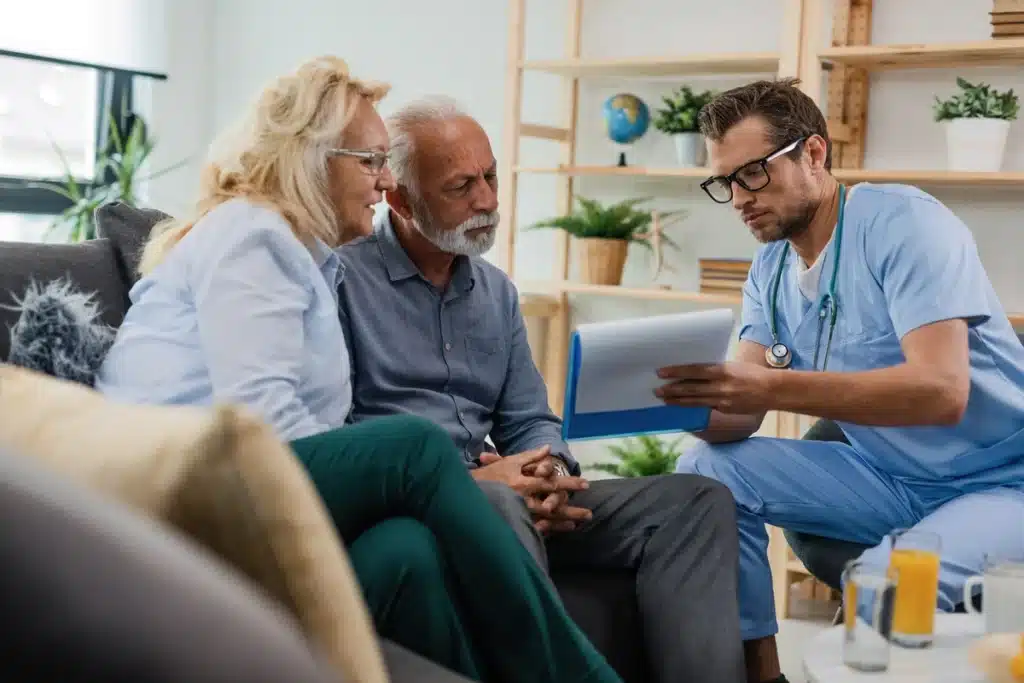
(606, 231)
(643, 456)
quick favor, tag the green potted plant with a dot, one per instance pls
(603, 235)
(118, 172)
(643, 456)
(678, 118)
(977, 121)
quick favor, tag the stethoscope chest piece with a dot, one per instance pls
(778, 355)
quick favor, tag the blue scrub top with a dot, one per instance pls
(906, 261)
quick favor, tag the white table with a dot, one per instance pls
(944, 662)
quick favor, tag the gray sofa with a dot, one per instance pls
(603, 603)
(92, 591)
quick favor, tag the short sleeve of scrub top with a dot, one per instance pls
(925, 260)
(754, 325)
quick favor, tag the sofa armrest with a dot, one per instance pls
(91, 591)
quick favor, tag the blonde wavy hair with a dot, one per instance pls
(278, 155)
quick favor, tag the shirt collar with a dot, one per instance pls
(327, 260)
(321, 252)
(401, 267)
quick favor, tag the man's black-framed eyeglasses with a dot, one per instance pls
(752, 176)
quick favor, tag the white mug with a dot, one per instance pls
(1002, 587)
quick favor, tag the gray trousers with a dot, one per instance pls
(678, 532)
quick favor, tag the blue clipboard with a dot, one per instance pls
(616, 424)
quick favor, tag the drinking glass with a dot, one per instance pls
(914, 562)
(868, 596)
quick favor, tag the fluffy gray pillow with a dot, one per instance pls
(59, 332)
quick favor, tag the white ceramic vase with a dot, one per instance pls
(689, 149)
(976, 144)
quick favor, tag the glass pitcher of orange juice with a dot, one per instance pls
(914, 563)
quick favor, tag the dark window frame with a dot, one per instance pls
(115, 98)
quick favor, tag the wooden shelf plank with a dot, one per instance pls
(858, 175)
(539, 298)
(674, 65)
(995, 52)
(937, 177)
(626, 171)
(646, 293)
(538, 305)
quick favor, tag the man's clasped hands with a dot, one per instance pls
(533, 475)
(732, 387)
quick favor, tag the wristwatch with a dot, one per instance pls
(560, 468)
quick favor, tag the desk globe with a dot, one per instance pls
(627, 119)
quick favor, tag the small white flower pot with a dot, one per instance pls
(689, 149)
(976, 144)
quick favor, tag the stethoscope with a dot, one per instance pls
(778, 354)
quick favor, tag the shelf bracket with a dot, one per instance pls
(848, 86)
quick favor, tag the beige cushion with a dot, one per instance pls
(222, 477)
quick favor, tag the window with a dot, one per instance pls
(54, 118)
(20, 227)
(45, 106)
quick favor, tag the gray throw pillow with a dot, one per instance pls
(59, 332)
(127, 227)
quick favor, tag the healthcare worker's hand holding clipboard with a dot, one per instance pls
(731, 387)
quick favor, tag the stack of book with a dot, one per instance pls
(723, 275)
(1007, 18)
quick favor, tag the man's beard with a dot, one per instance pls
(791, 226)
(457, 240)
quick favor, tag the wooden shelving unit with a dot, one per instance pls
(848, 60)
(573, 68)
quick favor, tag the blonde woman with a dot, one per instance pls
(238, 304)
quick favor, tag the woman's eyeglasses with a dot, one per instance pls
(372, 160)
(752, 176)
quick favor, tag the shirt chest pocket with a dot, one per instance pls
(487, 357)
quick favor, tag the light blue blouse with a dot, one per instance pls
(239, 312)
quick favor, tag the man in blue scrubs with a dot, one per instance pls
(868, 306)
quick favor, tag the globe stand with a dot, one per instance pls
(622, 154)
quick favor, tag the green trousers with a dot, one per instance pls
(442, 572)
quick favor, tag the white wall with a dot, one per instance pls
(180, 109)
(458, 47)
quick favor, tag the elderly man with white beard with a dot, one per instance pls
(436, 331)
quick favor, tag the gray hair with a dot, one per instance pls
(401, 125)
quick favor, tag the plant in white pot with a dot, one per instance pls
(678, 118)
(603, 235)
(977, 121)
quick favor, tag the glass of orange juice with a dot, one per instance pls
(914, 563)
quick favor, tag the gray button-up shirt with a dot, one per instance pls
(459, 358)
